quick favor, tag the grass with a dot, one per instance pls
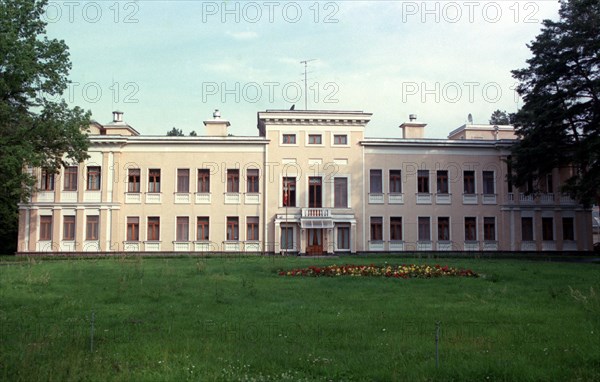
(186, 319)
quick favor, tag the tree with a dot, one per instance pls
(37, 128)
(193, 134)
(500, 117)
(175, 133)
(559, 123)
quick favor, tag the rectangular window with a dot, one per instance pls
(343, 237)
(287, 238)
(314, 139)
(183, 228)
(93, 178)
(289, 139)
(547, 229)
(423, 181)
(470, 229)
(133, 228)
(70, 178)
(375, 182)
(202, 228)
(133, 180)
(509, 173)
(339, 139)
(396, 228)
(527, 229)
(69, 228)
(469, 182)
(252, 228)
(45, 227)
(252, 181)
(568, 226)
(154, 180)
(91, 227)
(442, 182)
(424, 229)
(489, 228)
(183, 180)
(233, 180)
(340, 192)
(153, 228)
(289, 192)
(233, 228)
(203, 180)
(395, 182)
(47, 181)
(489, 187)
(376, 229)
(549, 184)
(444, 228)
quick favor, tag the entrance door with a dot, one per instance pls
(315, 199)
(315, 242)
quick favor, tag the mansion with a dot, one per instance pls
(309, 182)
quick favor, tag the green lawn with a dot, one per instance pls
(236, 319)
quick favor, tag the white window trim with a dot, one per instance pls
(282, 133)
(280, 190)
(383, 230)
(334, 133)
(389, 238)
(476, 228)
(430, 229)
(175, 229)
(449, 228)
(383, 183)
(307, 144)
(494, 182)
(348, 189)
(337, 227)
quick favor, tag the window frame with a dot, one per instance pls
(469, 182)
(340, 192)
(153, 225)
(442, 184)
(396, 233)
(317, 138)
(94, 178)
(376, 228)
(233, 181)
(134, 177)
(548, 228)
(232, 228)
(470, 227)
(182, 229)
(92, 227)
(491, 180)
(443, 228)
(47, 181)
(69, 227)
(566, 235)
(375, 181)
(424, 227)
(285, 137)
(252, 181)
(183, 180)
(489, 228)
(252, 228)
(529, 227)
(395, 181)
(45, 228)
(423, 182)
(203, 181)
(288, 191)
(132, 233)
(154, 181)
(70, 181)
(203, 228)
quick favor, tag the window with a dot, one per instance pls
(287, 237)
(376, 229)
(340, 192)
(442, 182)
(202, 228)
(568, 228)
(424, 229)
(375, 182)
(133, 180)
(470, 229)
(252, 228)
(339, 139)
(509, 173)
(91, 227)
(45, 227)
(315, 192)
(423, 181)
(233, 180)
(69, 228)
(289, 139)
(547, 229)
(395, 182)
(93, 178)
(314, 139)
(233, 231)
(252, 181)
(47, 181)
(549, 184)
(203, 180)
(70, 178)
(133, 228)
(527, 229)
(396, 228)
(469, 182)
(154, 180)
(489, 183)
(289, 192)
(489, 229)
(183, 180)
(153, 228)
(443, 228)
(182, 232)
(343, 237)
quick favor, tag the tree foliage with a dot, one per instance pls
(500, 117)
(36, 130)
(174, 132)
(559, 123)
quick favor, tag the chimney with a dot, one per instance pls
(413, 129)
(216, 126)
(117, 116)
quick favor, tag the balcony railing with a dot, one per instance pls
(423, 198)
(469, 198)
(547, 198)
(375, 198)
(443, 198)
(488, 199)
(182, 198)
(232, 198)
(203, 198)
(395, 198)
(316, 212)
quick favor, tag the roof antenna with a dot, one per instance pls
(305, 62)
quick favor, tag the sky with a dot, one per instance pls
(170, 64)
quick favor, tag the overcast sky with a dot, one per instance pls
(171, 63)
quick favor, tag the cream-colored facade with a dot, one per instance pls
(309, 183)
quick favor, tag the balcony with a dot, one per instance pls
(92, 196)
(152, 246)
(470, 199)
(316, 213)
(444, 245)
(68, 197)
(252, 246)
(253, 198)
(133, 198)
(471, 246)
(424, 246)
(91, 246)
(131, 246)
(528, 246)
(67, 246)
(204, 246)
(232, 198)
(182, 198)
(488, 199)
(546, 198)
(232, 246)
(202, 198)
(443, 198)
(376, 198)
(423, 198)
(395, 198)
(396, 245)
(526, 198)
(45, 197)
(567, 200)
(153, 198)
(490, 245)
(376, 245)
(181, 246)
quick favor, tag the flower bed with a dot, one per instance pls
(396, 271)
